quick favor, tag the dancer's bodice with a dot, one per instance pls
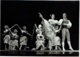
(64, 23)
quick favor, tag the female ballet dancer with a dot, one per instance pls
(7, 36)
(23, 38)
(66, 24)
(54, 23)
(40, 38)
(13, 44)
(48, 31)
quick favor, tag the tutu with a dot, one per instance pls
(7, 39)
(69, 25)
(60, 21)
(57, 41)
(13, 44)
(39, 42)
(23, 40)
(53, 21)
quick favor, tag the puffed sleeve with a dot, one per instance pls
(21, 31)
(56, 21)
(69, 25)
(50, 21)
(53, 21)
(60, 21)
(6, 31)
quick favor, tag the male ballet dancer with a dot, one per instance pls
(66, 24)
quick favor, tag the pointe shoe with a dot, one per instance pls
(49, 49)
(71, 49)
(55, 49)
(63, 49)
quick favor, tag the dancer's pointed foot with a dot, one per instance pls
(71, 49)
(63, 49)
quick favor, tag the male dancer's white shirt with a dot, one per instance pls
(68, 25)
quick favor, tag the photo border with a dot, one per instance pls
(41, 0)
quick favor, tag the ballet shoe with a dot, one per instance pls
(71, 49)
(55, 49)
(63, 49)
(49, 49)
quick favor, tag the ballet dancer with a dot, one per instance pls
(7, 36)
(66, 24)
(40, 38)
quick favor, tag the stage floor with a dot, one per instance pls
(39, 53)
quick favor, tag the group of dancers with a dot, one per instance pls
(48, 29)
(11, 38)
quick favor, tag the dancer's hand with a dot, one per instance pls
(40, 15)
(36, 26)
(9, 29)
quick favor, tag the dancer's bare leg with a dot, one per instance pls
(5, 46)
(42, 48)
(59, 48)
(56, 47)
(13, 48)
(63, 38)
(68, 40)
(37, 45)
(20, 47)
(50, 45)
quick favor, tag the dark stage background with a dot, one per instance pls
(26, 13)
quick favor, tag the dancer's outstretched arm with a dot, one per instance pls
(9, 29)
(28, 33)
(57, 30)
(19, 27)
(36, 26)
(40, 15)
(13, 26)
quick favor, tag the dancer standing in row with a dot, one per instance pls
(7, 36)
(13, 44)
(23, 38)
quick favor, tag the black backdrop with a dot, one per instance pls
(26, 13)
